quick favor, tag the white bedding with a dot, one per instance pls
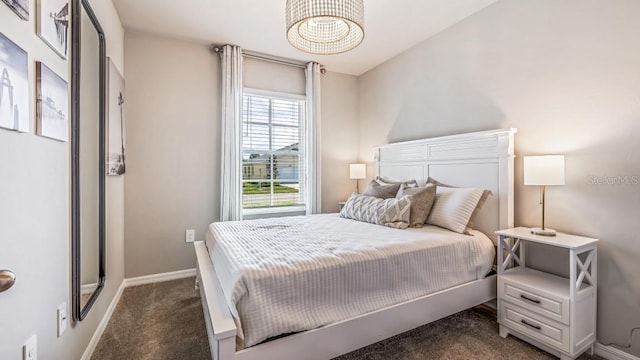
(285, 275)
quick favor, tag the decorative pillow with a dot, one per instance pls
(453, 208)
(382, 181)
(476, 211)
(422, 199)
(433, 181)
(388, 212)
(382, 191)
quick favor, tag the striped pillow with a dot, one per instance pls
(388, 212)
(483, 199)
(454, 207)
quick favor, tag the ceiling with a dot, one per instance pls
(391, 26)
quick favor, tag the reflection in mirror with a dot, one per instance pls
(88, 61)
(89, 157)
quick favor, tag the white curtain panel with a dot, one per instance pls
(231, 162)
(313, 193)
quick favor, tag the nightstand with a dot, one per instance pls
(554, 313)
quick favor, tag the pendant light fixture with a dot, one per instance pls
(325, 27)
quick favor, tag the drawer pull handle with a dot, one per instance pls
(537, 327)
(530, 299)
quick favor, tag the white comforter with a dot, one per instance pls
(285, 275)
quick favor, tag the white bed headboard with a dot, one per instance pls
(480, 159)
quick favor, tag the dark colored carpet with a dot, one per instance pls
(470, 334)
(161, 321)
(165, 321)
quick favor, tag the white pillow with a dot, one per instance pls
(384, 181)
(453, 208)
(388, 212)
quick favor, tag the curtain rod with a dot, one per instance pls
(270, 58)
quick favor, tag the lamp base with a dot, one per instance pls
(543, 232)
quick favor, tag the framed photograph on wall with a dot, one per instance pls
(52, 24)
(14, 86)
(115, 121)
(20, 7)
(52, 104)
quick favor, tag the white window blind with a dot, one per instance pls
(272, 151)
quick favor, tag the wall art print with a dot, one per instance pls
(14, 86)
(115, 120)
(52, 104)
(20, 7)
(52, 24)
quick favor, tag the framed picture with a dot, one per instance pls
(52, 24)
(52, 104)
(115, 121)
(14, 86)
(20, 7)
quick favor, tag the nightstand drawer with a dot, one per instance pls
(539, 328)
(546, 304)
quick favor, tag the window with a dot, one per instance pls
(272, 152)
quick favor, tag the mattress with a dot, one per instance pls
(285, 275)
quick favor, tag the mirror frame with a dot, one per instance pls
(77, 6)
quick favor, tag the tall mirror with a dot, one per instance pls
(88, 84)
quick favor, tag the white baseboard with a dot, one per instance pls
(156, 278)
(88, 288)
(611, 353)
(149, 279)
(91, 347)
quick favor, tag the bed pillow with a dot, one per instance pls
(476, 211)
(454, 207)
(433, 181)
(388, 212)
(382, 191)
(384, 181)
(422, 199)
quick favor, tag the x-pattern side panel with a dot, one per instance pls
(584, 268)
(514, 253)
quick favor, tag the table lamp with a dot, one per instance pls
(357, 172)
(543, 171)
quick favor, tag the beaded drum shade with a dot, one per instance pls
(325, 27)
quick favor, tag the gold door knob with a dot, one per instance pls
(7, 279)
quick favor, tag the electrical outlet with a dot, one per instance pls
(62, 318)
(30, 348)
(190, 236)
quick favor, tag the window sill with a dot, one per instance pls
(273, 212)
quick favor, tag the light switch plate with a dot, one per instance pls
(190, 235)
(62, 318)
(30, 348)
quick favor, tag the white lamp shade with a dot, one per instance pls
(544, 170)
(325, 27)
(357, 171)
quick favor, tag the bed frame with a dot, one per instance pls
(481, 159)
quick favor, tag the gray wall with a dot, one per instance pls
(173, 146)
(173, 90)
(339, 137)
(566, 74)
(34, 208)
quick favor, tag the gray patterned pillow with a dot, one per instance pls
(382, 191)
(422, 199)
(394, 213)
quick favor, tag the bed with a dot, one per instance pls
(379, 271)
